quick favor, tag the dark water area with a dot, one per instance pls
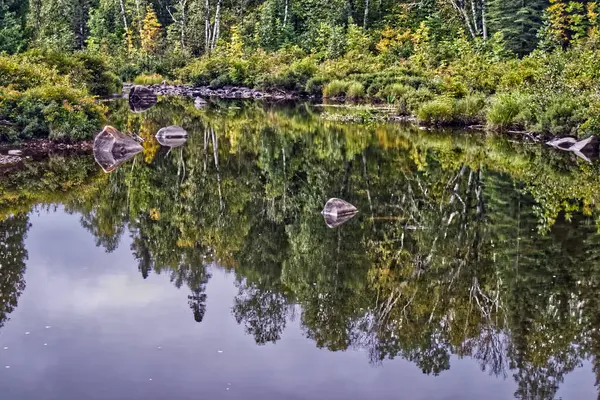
(206, 270)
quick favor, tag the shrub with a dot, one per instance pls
(57, 112)
(83, 69)
(21, 75)
(153, 79)
(469, 109)
(204, 70)
(562, 115)
(505, 109)
(98, 77)
(437, 112)
(289, 77)
(356, 90)
(335, 88)
(314, 86)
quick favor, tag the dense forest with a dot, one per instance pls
(510, 65)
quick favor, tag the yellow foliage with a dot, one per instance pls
(150, 32)
(150, 143)
(155, 214)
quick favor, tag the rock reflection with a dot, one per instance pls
(141, 99)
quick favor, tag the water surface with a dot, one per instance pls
(207, 270)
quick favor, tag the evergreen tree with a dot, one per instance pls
(518, 21)
(12, 26)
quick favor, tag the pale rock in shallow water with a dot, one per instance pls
(172, 136)
(112, 148)
(337, 212)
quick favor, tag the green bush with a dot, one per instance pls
(437, 112)
(152, 79)
(469, 110)
(289, 77)
(314, 86)
(82, 69)
(356, 90)
(99, 79)
(335, 88)
(20, 75)
(563, 115)
(204, 70)
(505, 110)
(57, 112)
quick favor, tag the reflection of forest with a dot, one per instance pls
(463, 245)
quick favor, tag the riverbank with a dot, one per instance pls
(11, 154)
(226, 92)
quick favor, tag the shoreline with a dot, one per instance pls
(226, 92)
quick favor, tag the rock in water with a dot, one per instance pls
(172, 136)
(15, 152)
(587, 149)
(337, 211)
(141, 99)
(112, 148)
(200, 103)
(562, 143)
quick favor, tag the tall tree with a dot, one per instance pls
(518, 21)
(13, 16)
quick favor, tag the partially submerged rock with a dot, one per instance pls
(112, 148)
(141, 98)
(562, 143)
(337, 211)
(9, 159)
(587, 149)
(172, 136)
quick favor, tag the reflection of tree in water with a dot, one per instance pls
(443, 259)
(264, 312)
(13, 231)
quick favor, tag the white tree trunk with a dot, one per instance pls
(483, 20)
(207, 26)
(366, 17)
(217, 27)
(124, 15)
(183, 22)
(474, 12)
(460, 8)
(137, 10)
(285, 12)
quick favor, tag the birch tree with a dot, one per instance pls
(473, 14)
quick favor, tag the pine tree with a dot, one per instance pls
(12, 26)
(518, 21)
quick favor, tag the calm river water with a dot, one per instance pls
(206, 271)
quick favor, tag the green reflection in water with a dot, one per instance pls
(464, 244)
